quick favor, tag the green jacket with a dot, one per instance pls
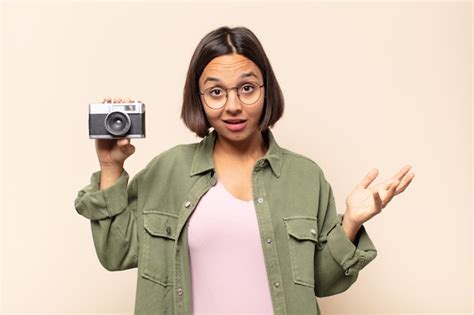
(307, 253)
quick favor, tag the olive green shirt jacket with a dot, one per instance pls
(143, 224)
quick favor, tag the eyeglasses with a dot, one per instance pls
(249, 93)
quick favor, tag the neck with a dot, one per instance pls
(248, 150)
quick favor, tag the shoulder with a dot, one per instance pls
(304, 167)
(178, 153)
(299, 161)
(175, 157)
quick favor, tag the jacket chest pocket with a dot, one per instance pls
(302, 239)
(158, 246)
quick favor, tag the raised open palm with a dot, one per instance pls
(364, 202)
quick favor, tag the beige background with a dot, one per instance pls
(366, 85)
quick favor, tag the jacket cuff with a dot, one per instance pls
(96, 204)
(351, 256)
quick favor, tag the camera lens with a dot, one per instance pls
(117, 123)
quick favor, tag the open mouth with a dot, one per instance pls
(235, 125)
(234, 121)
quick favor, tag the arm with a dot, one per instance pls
(350, 230)
(338, 260)
(112, 214)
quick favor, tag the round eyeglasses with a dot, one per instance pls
(248, 93)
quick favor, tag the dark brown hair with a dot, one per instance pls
(223, 41)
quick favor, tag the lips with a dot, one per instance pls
(235, 121)
(234, 125)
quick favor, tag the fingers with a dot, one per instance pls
(405, 182)
(123, 142)
(369, 178)
(404, 178)
(391, 184)
(108, 99)
(402, 172)
(391, 191)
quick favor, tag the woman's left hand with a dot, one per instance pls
(365, 202)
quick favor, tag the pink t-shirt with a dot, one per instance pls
(228, 272)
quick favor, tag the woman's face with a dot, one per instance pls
(230, 71)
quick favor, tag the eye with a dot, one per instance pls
(216, 92)
(248, 88)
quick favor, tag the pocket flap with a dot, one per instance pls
(302, 227)
(160, 223)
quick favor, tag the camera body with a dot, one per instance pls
(116, 120)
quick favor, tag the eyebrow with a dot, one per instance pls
(243, 75)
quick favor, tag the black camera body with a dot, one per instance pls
(116, 120)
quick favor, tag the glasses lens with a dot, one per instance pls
(215, 97)
(249, 93)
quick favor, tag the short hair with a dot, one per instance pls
(222, 41)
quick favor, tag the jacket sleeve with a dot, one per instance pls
(112, 215)
(337, 259)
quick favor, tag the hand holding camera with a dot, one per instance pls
(112, 152)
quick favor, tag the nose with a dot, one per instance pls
(233, 102)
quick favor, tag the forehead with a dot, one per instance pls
(228, 67)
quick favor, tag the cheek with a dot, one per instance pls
(210, 114)
(257, 111)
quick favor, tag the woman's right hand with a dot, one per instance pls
(112, 153)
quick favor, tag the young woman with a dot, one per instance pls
(234, 223)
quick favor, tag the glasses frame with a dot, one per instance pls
(227, 94)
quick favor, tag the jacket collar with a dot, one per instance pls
(203, 160)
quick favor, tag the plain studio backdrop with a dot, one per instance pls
(366, 85)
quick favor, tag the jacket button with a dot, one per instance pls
(168, 230)
(313, 231)
(277, 284)
(187, 204)
(260, 200)
(269, 240)
(180, 291)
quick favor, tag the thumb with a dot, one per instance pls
(129, 149)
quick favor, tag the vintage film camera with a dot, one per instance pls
(116, 120)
